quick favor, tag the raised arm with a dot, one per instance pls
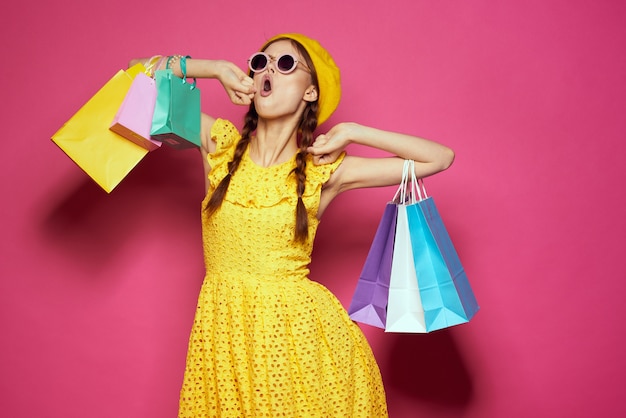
(357, 172)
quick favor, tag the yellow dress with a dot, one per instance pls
(267, 341)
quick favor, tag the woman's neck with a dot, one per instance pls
(274, 143)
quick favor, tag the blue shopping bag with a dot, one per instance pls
(446, 295)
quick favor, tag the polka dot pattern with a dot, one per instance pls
(267, 341)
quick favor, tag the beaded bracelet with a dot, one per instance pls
(171, 60)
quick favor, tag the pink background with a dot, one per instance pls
(97, 291)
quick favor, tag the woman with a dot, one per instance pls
(266, 341)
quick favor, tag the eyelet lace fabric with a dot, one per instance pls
(266, 341)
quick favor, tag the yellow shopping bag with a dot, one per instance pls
(86, 138)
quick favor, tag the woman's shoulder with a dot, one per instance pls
(321, 173)
(224, 133)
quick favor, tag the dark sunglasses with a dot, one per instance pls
(285, 63)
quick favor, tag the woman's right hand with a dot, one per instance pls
(238, 85)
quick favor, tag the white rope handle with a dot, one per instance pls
(415, 189)
(400, 196)
(412, 189)
(421, 184)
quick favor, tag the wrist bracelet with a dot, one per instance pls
(183, 69)
(183, 65)
(171, 60)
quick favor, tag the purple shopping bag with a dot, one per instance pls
(134, 117)
(369, 302)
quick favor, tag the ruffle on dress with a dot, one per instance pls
(269, 190)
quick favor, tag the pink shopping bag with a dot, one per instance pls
(134, 117)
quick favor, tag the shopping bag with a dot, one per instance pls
(446, 295)
(404, 306)
(133, 119)
(86, 138)
(369, 302)
(176, 118)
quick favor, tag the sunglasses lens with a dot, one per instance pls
(286, 63)
(258, 62)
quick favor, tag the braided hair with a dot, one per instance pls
(307, 126)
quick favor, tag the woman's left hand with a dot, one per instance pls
(329, 146)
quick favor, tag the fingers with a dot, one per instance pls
(322, 153)
(324, 159)
(243, 92)
(247, 81)
(320, 145)
(246, 85)
(241, 99)
(326, 148)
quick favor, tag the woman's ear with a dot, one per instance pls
(310, 94)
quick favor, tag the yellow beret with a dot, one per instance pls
(328, 76)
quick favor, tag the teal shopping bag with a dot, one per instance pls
(176, 118)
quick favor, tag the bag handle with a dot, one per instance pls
(411, 189)
(153, 63)
(406, 190)
(415, 191)
(418, 185)
(400, 197)
(423, 189)
(183, 69)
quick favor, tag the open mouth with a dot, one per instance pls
(266, 86)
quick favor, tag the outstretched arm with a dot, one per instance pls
(235, 81)
(238, 86)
